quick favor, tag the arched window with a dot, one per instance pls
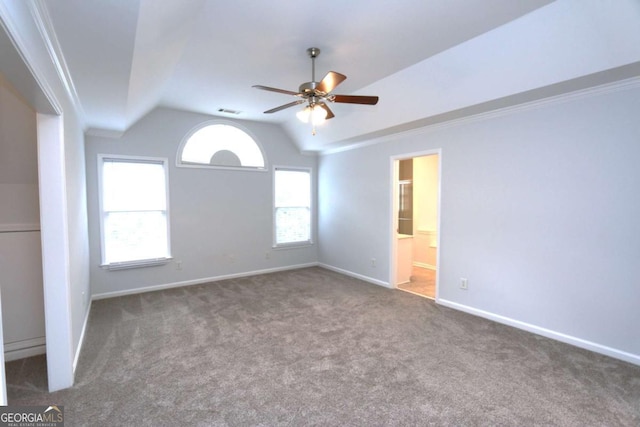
(220, 145)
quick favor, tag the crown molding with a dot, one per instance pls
(11, 28)
(43, 23)
(444, 122)
(105, 133)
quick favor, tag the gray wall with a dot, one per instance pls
(220, 219)
(539, 210)
(74, 170)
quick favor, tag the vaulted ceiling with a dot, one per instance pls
(428, 60)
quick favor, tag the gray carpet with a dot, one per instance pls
(312, 347)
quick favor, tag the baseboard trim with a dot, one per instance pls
(26, 348)
(114, 294)
(424, 265)
(356, 275)
(14, 228)
(558, 336)
(81, 340)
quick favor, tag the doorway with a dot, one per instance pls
(415, 223)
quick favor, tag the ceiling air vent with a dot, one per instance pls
(228, 111)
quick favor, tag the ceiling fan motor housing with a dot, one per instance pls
(308, 88)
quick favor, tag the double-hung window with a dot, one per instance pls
(292, 206)
(134, 215)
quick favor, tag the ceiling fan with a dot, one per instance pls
(316, 94)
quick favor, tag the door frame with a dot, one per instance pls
(393, 208)
(27, 65)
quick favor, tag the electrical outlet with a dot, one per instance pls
(373, 262)
(267, 255)
(178, 265)
(464, 283)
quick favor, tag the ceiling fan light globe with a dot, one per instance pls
(318, 115)
(304, 115)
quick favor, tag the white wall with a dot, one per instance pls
(425, 193)
(539, 210)
(221, 220)
(425, 214)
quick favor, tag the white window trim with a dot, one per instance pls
(134, 263)
(292, 245)
(185, 139)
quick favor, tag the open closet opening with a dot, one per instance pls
(21, 284)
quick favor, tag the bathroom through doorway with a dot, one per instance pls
(416, 195)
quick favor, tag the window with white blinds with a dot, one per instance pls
(292, 206)
(134, 211)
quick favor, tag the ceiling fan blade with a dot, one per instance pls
(330, 81)
(355, 99)
(282, 107)
(325, 107)
(273, 89)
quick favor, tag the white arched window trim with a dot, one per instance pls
(224, 147)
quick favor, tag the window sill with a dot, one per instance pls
(292, 245)
(181, 164)
(136, 264)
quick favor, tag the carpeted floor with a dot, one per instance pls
(313, 347)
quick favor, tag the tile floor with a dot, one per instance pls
(423, 282)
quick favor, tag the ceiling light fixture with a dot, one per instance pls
(313, 113)
(317, 94)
